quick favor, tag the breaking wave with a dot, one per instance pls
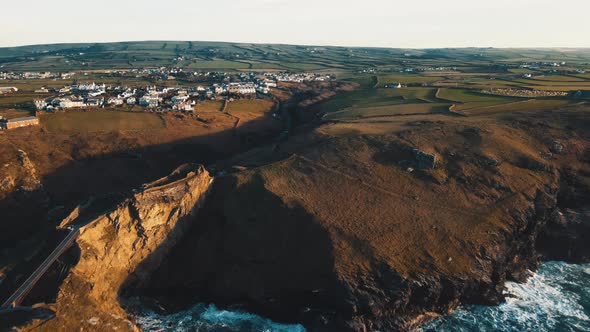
(208, 318)
(557, 298)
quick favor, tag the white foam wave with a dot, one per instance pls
(210, 318)
(555, 299)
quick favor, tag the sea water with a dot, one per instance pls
(556, 298)
(208, 318)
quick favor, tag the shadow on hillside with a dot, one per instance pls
(28, 223)
(115, 172)
(251, 259)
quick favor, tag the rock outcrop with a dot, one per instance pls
(20, 175)
(23, 197)
(121, 247)
(566, 236)
(31, 181)
(340, 238)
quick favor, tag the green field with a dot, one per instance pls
(414, 94)
(32, 85)
(367, 96)
(218, 64)
(385, 111)
(521, 71)
(478, 104)
(525, 105)
(230, 56)
(360, 98)
(17, 99)
(100, 121)
(465, 73)
(536, 82)
(468, 96)
(209, 106)
(559, 78)
(11, 114)
(295, 66)
(407, 79)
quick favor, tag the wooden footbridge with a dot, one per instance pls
(19, 295)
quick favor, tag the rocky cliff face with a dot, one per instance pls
(21, 194)
(123, 246)
(19, 175)
(341, 237)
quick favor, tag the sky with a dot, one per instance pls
(378, 23)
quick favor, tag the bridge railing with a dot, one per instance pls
(19, 295)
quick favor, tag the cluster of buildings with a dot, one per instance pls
(85, 95)
(367, 71)
(438, 69)
(524, 93)
(198, 86)
(241, 88)
(10, 75)
(538, 65)
(184, 99)
(298, 77)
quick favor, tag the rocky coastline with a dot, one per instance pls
(337, 235)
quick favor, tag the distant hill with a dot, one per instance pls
(241, 56)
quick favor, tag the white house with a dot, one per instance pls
(40, 104)
(149, 101)
(8, 89)
(94, 102)
(179, 99)
(115, 101)
(242, 88)
(68, 103)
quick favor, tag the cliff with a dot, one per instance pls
(121, 247)
(344, 236)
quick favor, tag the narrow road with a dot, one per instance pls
(26, 287)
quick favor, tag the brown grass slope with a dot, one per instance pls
(341, 237)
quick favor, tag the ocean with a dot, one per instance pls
(556, 298)
(208, 318)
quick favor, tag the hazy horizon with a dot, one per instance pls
(302, 44)
(373, 23)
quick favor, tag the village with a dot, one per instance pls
(157, 98)
(35, 75)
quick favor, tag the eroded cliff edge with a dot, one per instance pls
(348, 235)
(122, 247)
